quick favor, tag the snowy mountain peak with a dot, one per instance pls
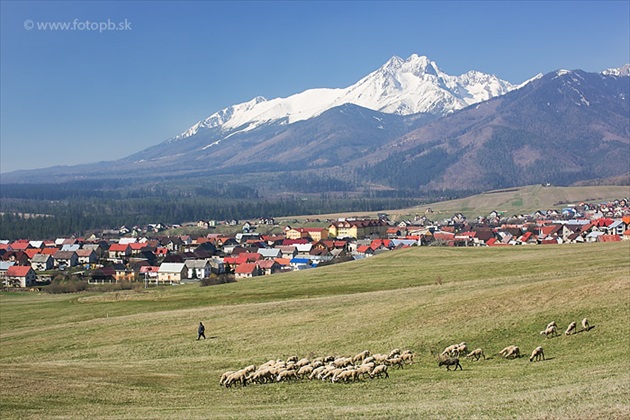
(399, 86)
(621, 71)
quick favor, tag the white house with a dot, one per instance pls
(172, 273)
(199, 269)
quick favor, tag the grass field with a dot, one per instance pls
(520, 200)
(134, 354)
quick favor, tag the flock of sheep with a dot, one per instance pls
(450, 356)
(334, 369)
(366, 365)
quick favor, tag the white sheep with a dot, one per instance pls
(459, 349)
(379, 358)
(477, 354)
(224, 377)
(345, 376)
(510, 351)
(305, 370)
(316, 372)
(537, 354)
(570, 329)
(379, 371)
(407, 356)
(395, 361)
(285, 375)
(552, 324)
(302, 362)
(393, 353)
(585, 324)
(365, 369)
(448, 350)
(238, 376)
(361, 356)
(551, 330)
(343, 362)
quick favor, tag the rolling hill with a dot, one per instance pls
(134, 355)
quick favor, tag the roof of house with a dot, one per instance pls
(247, 268)
(18, 270)
(64, 255)
(266, 264)
(40, 258)
(172, 267)
(118, 247)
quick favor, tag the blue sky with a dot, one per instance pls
(82, 95)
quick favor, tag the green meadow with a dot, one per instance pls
(134, 354)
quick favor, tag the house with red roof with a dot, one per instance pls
(117, 251)
(268, 267)
(31, 252)
(246, 270)
(20, 276)
(20, 245)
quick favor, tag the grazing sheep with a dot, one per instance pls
(343, 362)
(380, 358)
(513, 353)
(365, 369)
(393, 353)
(224, 377)
(396, 361)
(316, 372)
(379, 371)
(451, 361)
(263, 376)
(293, 359)
(461, 348)
(552, 330)
(305, 370)
(537, 354)
(447, 351)
(510, 352)
(477, 354)
(369, 359)
(407, 356)
(330, 373)
(361, 356)
(552, 324)
(238, 376)
(285, 375)
(505, 350)
(345, 376)
(302, 362)
(570, 329)
(249, 369)
(585, 324)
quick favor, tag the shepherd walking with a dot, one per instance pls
(201, 331)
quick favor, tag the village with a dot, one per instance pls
(141, 254)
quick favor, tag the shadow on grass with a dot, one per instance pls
(585, 330)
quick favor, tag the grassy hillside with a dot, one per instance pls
(521, 200)
(134, 355)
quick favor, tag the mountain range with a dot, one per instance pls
(405, 126)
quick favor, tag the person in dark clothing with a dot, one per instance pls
(201, 331)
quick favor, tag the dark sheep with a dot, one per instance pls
(451, 361)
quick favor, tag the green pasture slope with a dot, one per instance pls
(134, 354)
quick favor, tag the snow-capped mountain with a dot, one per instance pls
(621, 71)
(400, 87)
